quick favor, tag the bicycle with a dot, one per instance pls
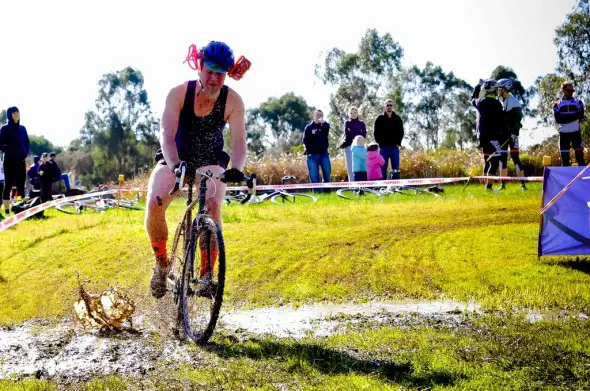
(202, 291)
(282, 197)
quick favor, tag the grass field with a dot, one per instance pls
(464, 245)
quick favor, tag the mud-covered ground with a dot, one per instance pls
(62, 349)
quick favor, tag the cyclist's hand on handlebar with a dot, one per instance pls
(179, 171)
(232, 175)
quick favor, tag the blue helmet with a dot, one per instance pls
(218, 56)
(505, 83)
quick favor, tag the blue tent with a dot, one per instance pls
(565, 226)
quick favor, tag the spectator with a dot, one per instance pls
(568, 113)
(14, 142)
(352, 128)
(490, 125)
(315, 141)
(389, 132)
(34, 177)
(375, 163)
(57, 174)
(359, 159)
(45, 172)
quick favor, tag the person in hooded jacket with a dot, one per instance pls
(14, 142)
(47, 175)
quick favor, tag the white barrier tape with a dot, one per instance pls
(9, 222)
(511, 178)
(332, 185)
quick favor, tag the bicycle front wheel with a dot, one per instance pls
(284, 199)
(203, 280)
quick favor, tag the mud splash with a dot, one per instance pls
(50, 350)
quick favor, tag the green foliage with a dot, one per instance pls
(438, 108)
(277, 124)
(39, 144)
(121, 133)
(361, 79)
(3, 117)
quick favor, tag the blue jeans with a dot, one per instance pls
(66, 180)
(315, 161)
(390, 153)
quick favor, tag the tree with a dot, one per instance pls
(572, 39)
(438, 108)
(518, 90)
(39, 144)
(279, 122)
(361, 78)
(3, 117)
(121, 132)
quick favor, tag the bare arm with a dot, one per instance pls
(174, 103)
(237, 131)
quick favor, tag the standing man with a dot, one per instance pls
(513, 117)
(315, 141)
(568, 113)
(193, 122)
(352, 128)
(14, 142)
(388, 133)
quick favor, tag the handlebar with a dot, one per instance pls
(180, 173)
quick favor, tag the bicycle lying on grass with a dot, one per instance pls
(197, 284)
(276, 196)
(356, 193)
(98, 204)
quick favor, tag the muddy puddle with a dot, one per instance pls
(62, 349)
(321, 320)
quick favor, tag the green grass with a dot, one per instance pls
(464, 245)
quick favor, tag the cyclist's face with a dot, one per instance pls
(212, 81)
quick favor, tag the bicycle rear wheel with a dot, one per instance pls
(200, 298)
(358, 193)
(302, 199)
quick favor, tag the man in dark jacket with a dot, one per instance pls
(490, 126)
(14, 142)
(388, 133)
(568, 113)
(46, 173)
(315, 141)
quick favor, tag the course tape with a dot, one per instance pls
(333, 185)
(13, 220)
(511, 178)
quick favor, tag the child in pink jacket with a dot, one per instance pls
(374, 162)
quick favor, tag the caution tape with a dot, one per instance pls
(511, 178)
(333, 185)
(9, 222)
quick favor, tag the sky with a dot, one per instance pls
(55, 52)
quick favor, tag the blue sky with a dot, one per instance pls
(55, 52)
